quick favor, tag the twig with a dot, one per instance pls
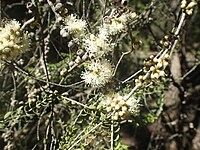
(27, 23)
(178, 31)
(171, 48)
(40, 80)
(120, 59)
(132, 91)
(54, 10)
(14, 87)
(112, 137)
(192, 69)
(73, 101)
(132, 76)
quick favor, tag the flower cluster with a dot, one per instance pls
(154, 69)
(119, 107)
(188, 7)
(98, 46)
(13, 41)
(97, 73)
(95, 46)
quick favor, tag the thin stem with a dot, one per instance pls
(14, 87)
(132, 76)
(27, 23)
(178, 31)
(73, 101)
(112, 137)
(132, 91)
(191, 70)
(41, 80)
(54, 10)
(120, 59)
(171, 48)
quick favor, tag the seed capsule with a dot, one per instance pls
(78, 60)
(71, 64)
(85, 57)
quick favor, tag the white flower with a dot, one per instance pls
(119, 24)
(97, 46)
(13, 41)
(98, 73)
(103, 34)
(116, 26)
(74, 26)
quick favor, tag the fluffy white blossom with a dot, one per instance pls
(97, 45)
(119, 24)
(97, 73)
(73, 26)
(115, 27)
(103, 34)
(13, 41)
(118, 106)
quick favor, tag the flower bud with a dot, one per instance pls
(78, 60)
(189, 11)
(80, 52)
(165, 64)
(115, 117)
(63, 71)
(124, 108)
(108, 109)
(112, 105)
(121, 102)
(155, 60)
(191, 5)
(121, 113)
(117, 107)
(166, 43)
(71, 64)
(159, 65)
(84, 57)
(58, 6)
(152, 68)
(64, 33)
(151, 57)
(140, 77)
(162, 73)
(156, 75)
(183, 3)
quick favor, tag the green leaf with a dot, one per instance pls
(103, 116)
(117, 138)
(65, 94)
(1, 126)
(92, 107)
(8, 114)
